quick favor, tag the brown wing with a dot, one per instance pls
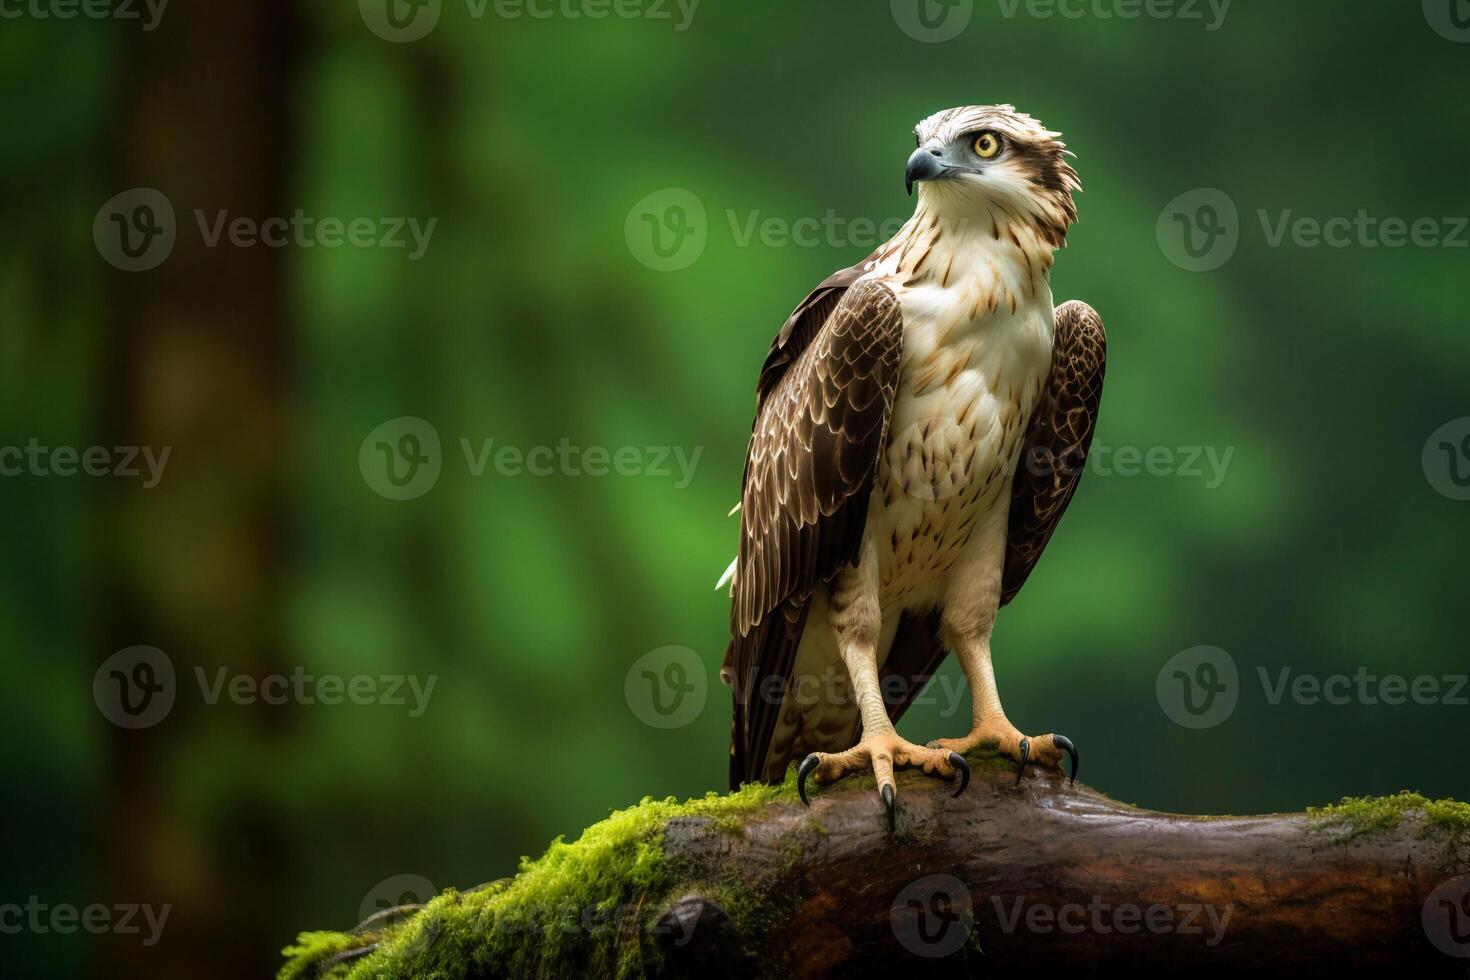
(824, 400)
(1051, 464)
(1055, 452)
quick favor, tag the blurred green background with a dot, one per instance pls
(534, 316)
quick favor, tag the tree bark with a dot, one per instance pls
(1043, 878)
(198, 363)
(1009, 879)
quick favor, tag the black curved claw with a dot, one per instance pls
(1065, 744)
(805, 770)
(889, 805)
(958, 761)
(1025, 755)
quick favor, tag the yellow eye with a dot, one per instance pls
(987, 145)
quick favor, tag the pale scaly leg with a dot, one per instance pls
(857, 623)
(966, 622)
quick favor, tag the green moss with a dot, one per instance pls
(1356, 816)
(607, 883)
(610, 885)
(313, 949)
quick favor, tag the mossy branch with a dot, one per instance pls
(1007, 880)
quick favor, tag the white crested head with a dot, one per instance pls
(994, 164)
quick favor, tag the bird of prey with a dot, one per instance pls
(922, 421)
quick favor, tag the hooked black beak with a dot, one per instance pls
(924, 164)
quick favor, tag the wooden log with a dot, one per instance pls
(1007, 880)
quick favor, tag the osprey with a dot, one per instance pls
(922, 422)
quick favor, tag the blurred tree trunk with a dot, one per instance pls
(198, 355)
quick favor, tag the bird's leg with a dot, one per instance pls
(965, 628)
(857, 622)
(989, 724)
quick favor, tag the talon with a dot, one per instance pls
(805, 770)
(963, 767)
(1025, 754)
(889, 805)
(1065, 744)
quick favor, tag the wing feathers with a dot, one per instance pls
(824, 398)
(1055, 453)
(814, 454)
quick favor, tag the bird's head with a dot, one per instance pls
(974, 162)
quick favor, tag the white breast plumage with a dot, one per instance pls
(976, 355)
